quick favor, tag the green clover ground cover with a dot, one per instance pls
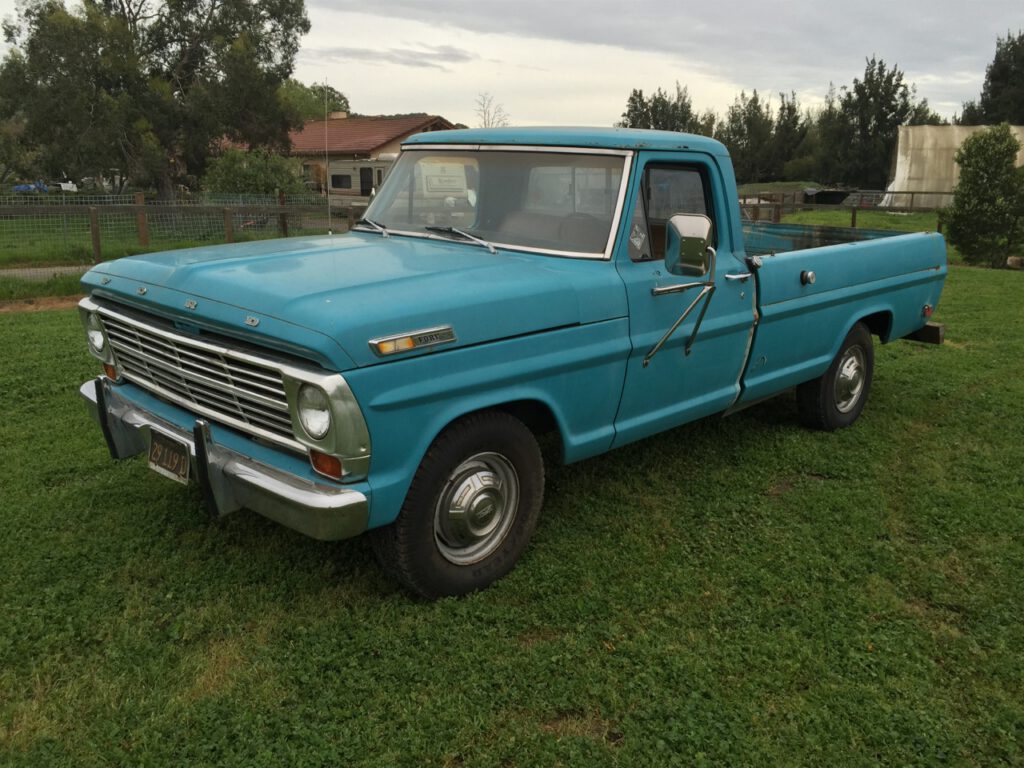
(737, 591)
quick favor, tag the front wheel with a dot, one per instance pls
(836, 398)
(470, 511)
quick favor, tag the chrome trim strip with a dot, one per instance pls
(666, 289)
(595, 256)
(441, 334)
(627, 167)
(231, 480)
(567, 150)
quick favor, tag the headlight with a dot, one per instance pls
(94, 332)
(314, 411)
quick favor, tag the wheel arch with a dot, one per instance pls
(879, 323)
(538, 416)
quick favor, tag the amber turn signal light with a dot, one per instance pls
(110, 371)
(329, 466)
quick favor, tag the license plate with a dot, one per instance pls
(169, 457)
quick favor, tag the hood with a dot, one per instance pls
(361, 286)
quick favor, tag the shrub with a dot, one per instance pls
(986, 220)
(256, 172)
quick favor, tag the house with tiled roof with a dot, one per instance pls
(351, 155)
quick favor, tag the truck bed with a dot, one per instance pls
(763, 238)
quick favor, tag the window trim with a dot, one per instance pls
(709, 199)
(628, 156)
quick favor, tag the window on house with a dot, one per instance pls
(341, 181)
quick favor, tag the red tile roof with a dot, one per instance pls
(360, 135)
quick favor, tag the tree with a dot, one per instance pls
(921, 113)
(254, 172)
(16, 156)
(638, 111)
(832, 138)
(311, 102)
(747, 132)
(986, 219)
(1002, 95)
(666, 112)
(150, 87)
(789, 132)
(488, 113)
(874, 109)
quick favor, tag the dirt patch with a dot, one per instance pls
(588, 725)
(39, 305)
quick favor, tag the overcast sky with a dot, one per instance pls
(564, 62)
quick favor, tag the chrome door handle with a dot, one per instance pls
(743, 278)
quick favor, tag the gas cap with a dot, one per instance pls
(807, 277)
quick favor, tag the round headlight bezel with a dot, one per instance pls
(313, 407)
(95, 335)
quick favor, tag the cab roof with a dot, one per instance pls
(601, 138)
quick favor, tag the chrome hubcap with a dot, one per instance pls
(476, 508)
(850, 379)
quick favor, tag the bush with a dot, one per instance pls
(986, 220)
(256, 172)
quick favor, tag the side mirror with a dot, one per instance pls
(688, 249)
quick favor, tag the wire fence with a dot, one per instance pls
(50, 234)
(41, 239)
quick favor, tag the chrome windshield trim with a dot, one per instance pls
(627, 156)
(597, 256)
(567, 150)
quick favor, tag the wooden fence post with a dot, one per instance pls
(853, 218)
(141, 220)
(229, 230)
(94, 230)
(282, 219)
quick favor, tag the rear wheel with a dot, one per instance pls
(470, 511)
(836, 398)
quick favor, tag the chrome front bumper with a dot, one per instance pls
(230, 480)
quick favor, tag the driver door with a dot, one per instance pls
(696, 371)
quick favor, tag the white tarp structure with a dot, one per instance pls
(924, 163)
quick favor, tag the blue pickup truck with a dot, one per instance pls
(595, 286)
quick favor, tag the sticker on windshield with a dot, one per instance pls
(637, 237)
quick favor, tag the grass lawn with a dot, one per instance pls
(737, 591)
(875, 219)
(868, 219)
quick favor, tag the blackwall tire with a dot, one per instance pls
(470, 511)
(836, 399)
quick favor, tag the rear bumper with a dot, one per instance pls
(230, 480)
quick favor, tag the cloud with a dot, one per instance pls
(426, 56)
(799, 45)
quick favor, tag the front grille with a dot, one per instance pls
(231, 387)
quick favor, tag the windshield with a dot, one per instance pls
(558, 202)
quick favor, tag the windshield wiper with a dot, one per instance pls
(375, 226)
(464, 235)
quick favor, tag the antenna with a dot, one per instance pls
(327, 165)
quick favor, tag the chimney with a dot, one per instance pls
(338, 115)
